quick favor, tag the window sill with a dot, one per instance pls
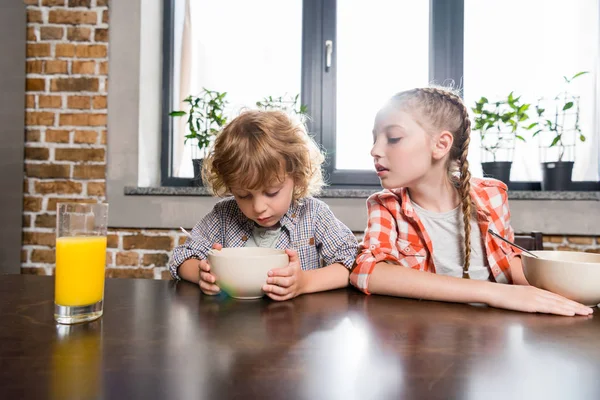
(333, 192)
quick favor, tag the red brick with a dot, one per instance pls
(31, 203)
(166, 275)
(74, 85)
(103, 70)
(182, 240)
(37, 153)
(85, 137)
(30, 101)
(39, 118)
(105, 16)
(553, 239)
(58, 187)
(50, 3)
(83, 67)
(77, 34)
(53, 201)
(49, 101)
(129, 258)
(39, 238)
(147, 242)
(48, 170)
(82, 119)
(43, 256)
(34, 66)
(79, 102)
(31, 36)
(35, 85)
(33, 271)
(45, 220)
(56, 67)
(129, 273)
(96, 189)
(157, 260)
(91, 51)
(32, 2)
(79, 154)
(101, 35)
(110, 258)
(103, 137)
(101, 3)
(62, 16)
(57, 136)
(52, 33)
(32, 135)
(112, 241)
(35, 50)
(26, 222)
(580, 240)
(80, 3)
(99, 102)
(34, 16)
(89, 171)
(64, 50)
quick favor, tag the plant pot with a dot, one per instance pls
(498, 170)
(197, 179)
(557, 175)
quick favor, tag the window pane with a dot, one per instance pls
(527, 47)
(249, 49)
(382, 48)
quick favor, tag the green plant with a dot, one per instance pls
(205, 117)
(559, 126)
(285, 103)
(499, 122)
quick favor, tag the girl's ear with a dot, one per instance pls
(442, 144)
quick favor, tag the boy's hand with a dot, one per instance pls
(287, 282)
(207, 280)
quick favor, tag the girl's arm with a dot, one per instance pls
(399, 281)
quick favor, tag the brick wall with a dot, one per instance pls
(65, 149)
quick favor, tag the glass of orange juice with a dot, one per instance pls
(80, 262)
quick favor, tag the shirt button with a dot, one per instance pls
(407, 249)
(294, 215)
(372, 247)
(244, 238)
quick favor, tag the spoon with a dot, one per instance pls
(512, 244)
(186, 232)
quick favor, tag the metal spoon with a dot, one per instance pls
(512, 244)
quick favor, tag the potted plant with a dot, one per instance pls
(559, 125)
(290, 104)
(499, 124)
(204, 121)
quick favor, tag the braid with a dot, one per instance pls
(460, 152)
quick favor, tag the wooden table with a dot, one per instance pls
(160, 339)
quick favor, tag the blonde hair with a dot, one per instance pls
(443, 109)
(259, 148)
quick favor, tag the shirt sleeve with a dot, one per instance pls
(379, 243)
(206, 233)
(335, 241)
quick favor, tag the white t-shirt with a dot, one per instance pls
(446, 232)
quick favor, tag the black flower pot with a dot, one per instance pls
(197, 179)
(498, 170)
(557, 175)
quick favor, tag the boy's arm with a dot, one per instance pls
(333, 276)
(185, 259)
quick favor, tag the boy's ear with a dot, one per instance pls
(442, 145)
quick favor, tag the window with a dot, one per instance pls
(527, 46)
(346, 58)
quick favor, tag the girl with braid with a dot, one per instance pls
(427, 235)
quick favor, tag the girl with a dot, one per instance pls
(271, 167)
(434, 218)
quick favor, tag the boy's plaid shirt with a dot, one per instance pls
(396, 234)
(308, 226)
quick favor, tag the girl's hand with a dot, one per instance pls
(207, 280)
(287, 282)
(532, 299)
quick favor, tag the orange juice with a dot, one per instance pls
(80, 262)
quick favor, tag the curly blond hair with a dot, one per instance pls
(259, 148)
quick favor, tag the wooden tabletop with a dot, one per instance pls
(160, 339)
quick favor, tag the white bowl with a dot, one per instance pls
(242, 271)
(572, 274)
